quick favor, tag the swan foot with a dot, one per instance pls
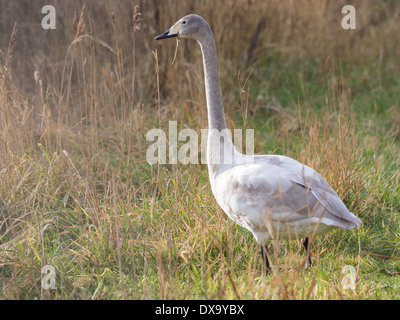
(306, 245)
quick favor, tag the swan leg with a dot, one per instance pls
(306, 245)
(264, 257)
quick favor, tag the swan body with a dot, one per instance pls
(273, 196)
(289, 200)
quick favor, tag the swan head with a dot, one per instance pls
(191, 26)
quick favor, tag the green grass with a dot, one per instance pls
(81, 197)
(129, 235)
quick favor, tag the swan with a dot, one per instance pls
(272, 196)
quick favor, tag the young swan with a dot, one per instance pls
(274, 197)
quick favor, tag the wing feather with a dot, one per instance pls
(284, 189)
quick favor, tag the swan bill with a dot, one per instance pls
(171, 32)
(166, 35)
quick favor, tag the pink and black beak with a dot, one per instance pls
(172, 32)
(166, 35)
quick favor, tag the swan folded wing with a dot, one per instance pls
(283, 190)
(334, 207)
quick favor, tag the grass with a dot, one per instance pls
(77, 193)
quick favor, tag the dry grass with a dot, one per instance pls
(75, 106)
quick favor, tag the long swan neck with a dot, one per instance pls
(221, 153)
(216, 116)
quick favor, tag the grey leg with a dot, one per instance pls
(306, 246)
(264, 257)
